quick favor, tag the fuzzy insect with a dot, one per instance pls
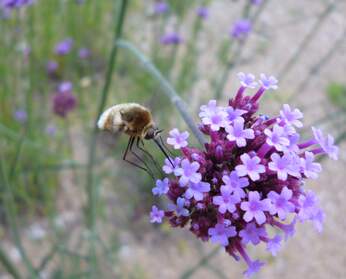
(136, 121)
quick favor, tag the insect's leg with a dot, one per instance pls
(146, 168)
(165, 147)
(163, 151)
(129, 148)
(139, 140)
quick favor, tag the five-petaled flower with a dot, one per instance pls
(251, 166)
(227, 201)
(281, 204)
(291, 116)
(235, 184)
(196, 190)
(162, 187)
(156, 215)
(237, 133)
(177, 139)
(247, 80)
(254, 208)
(252, 233)
(269, 82)
(188, 172)
(220, 234)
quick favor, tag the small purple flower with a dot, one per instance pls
(247, 80)
(277, 137)
(15, 4)
(220, 234)
(238, 134)
(206, 110)
(310, 169)
(280, 203)
(20, 115)
(162, 187)
(281, 165)
(64, 47)
(241, 29)
(252, 233)
(188, 172)
(84, 53)
(308, 206)
(52, 67)
(214, 117)
(254, 208)
(269, 82)
(318, 220)
(177, 139)
(227, 201)
(250, 167)
(196, 190)
(172, 38)
(180, 208)
(234, 114)
(168, 168)
(326, 143)
(65, 86)
(202, 12)
(274, 245)
(235, 184)
(253, 268)
(291, 117)
(156, 215)
(161, 7)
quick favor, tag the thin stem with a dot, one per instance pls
(203, 261)
(9, 205)
(92, 192)
(295, 57)
(167, 88)
(8, 265)
(237, 56)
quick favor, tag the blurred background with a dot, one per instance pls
(70, 207)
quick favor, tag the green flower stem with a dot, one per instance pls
(202, 262)
(167, 88)
(91, 188)
(10, 211)
(307, 39)
(8, 265)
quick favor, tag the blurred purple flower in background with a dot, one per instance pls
(241, 28)
(161, 7)
(171, 38)
(63, 100)
(84, 53)
(52, 67)
(20, 115)
(64, 47)
(13, 4)
(256, 2)
(51, 130)
(202, 12)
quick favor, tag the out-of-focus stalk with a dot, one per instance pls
(168, 89)
(91, 188)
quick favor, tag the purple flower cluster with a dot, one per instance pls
(63, 100)
(247, 178)
(171, 38)
(240, 29)
(161, 7)
(64, 47)
(14, 4)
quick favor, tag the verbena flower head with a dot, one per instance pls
(52, 67)
(241, 28)
(248, 177)
(64, 47)
(171, 38)
(63, 100)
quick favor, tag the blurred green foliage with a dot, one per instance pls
(337, 94)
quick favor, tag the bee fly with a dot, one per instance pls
(137, 122)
